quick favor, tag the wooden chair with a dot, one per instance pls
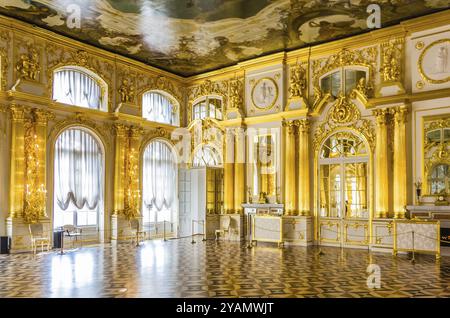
(224, 228)
(38, 237)
(73, 232)
(137, 235)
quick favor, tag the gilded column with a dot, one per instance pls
(17, 163)
(228, 172)
(399, 186)
(303, 169)
(119, 167)
(41, 118)
(381, 165)
(290, 198)
(132, 171)
(239, 170)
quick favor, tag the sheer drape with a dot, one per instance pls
(76, 88)
(78, 170)
(159, 108)
(159, 179)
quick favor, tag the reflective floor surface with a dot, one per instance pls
(208, 269)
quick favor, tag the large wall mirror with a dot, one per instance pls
(264, 166)
(437, 156)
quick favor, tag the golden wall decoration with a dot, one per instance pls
(344, 115)
(297, 81)
(207, 88)
(126, 91)
(28, 66)
(366, 57)
(103, 131)
(392, 59)
(236, 94)
(441, 62)
(5, 42)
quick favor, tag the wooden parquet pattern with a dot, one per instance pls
(227, 269)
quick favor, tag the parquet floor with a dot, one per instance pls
(227, 269)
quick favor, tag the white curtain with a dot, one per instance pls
(159, 108)
(76, 88)
(78, 170)
(159, 176)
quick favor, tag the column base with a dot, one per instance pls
(20, 236)
(382, 215)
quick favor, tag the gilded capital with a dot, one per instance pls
(399, 114)
(290, 126)
(380, 115)
(17, 113)
(120, 129)
(303, 125)
(41, 117)
(136, 131)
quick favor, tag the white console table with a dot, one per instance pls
(253, 209)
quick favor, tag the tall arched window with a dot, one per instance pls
(159, 186)
(79, 87)
(78, 178)
(208, 107)
(160, 108)
(206, 156)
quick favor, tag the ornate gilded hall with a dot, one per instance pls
(224, 148)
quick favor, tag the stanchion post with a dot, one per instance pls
(164, 230)
(193, 241)
(204, 231)
(413, 260)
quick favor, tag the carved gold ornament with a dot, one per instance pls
(236, 93)
(344, 115)
(297, 81)
(28, 66)
(440, 65)
(126, 91)
(264, 93)
(392, 57)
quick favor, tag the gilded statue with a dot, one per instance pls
(297, 82)
(126, 91)
(28, 65)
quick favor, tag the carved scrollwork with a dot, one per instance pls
(297, 81)
(366, 57)
(392, 56)
(236, 93)
(80, 119)
(344, 114)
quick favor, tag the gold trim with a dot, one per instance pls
(420, 63)
(276, 93)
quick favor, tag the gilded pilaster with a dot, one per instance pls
(290, 199)
(17, 163)
(399, 193)
(228, 167)
(132, 189)
(381, 164)
(119, 167)
(239, 170)
(303, 169)
(41, 118)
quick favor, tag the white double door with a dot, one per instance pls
(192, 200)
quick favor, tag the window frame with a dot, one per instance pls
(207, 110)
(104, 103)
(173, 101)
(342, 73)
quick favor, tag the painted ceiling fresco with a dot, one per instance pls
(188, 37)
